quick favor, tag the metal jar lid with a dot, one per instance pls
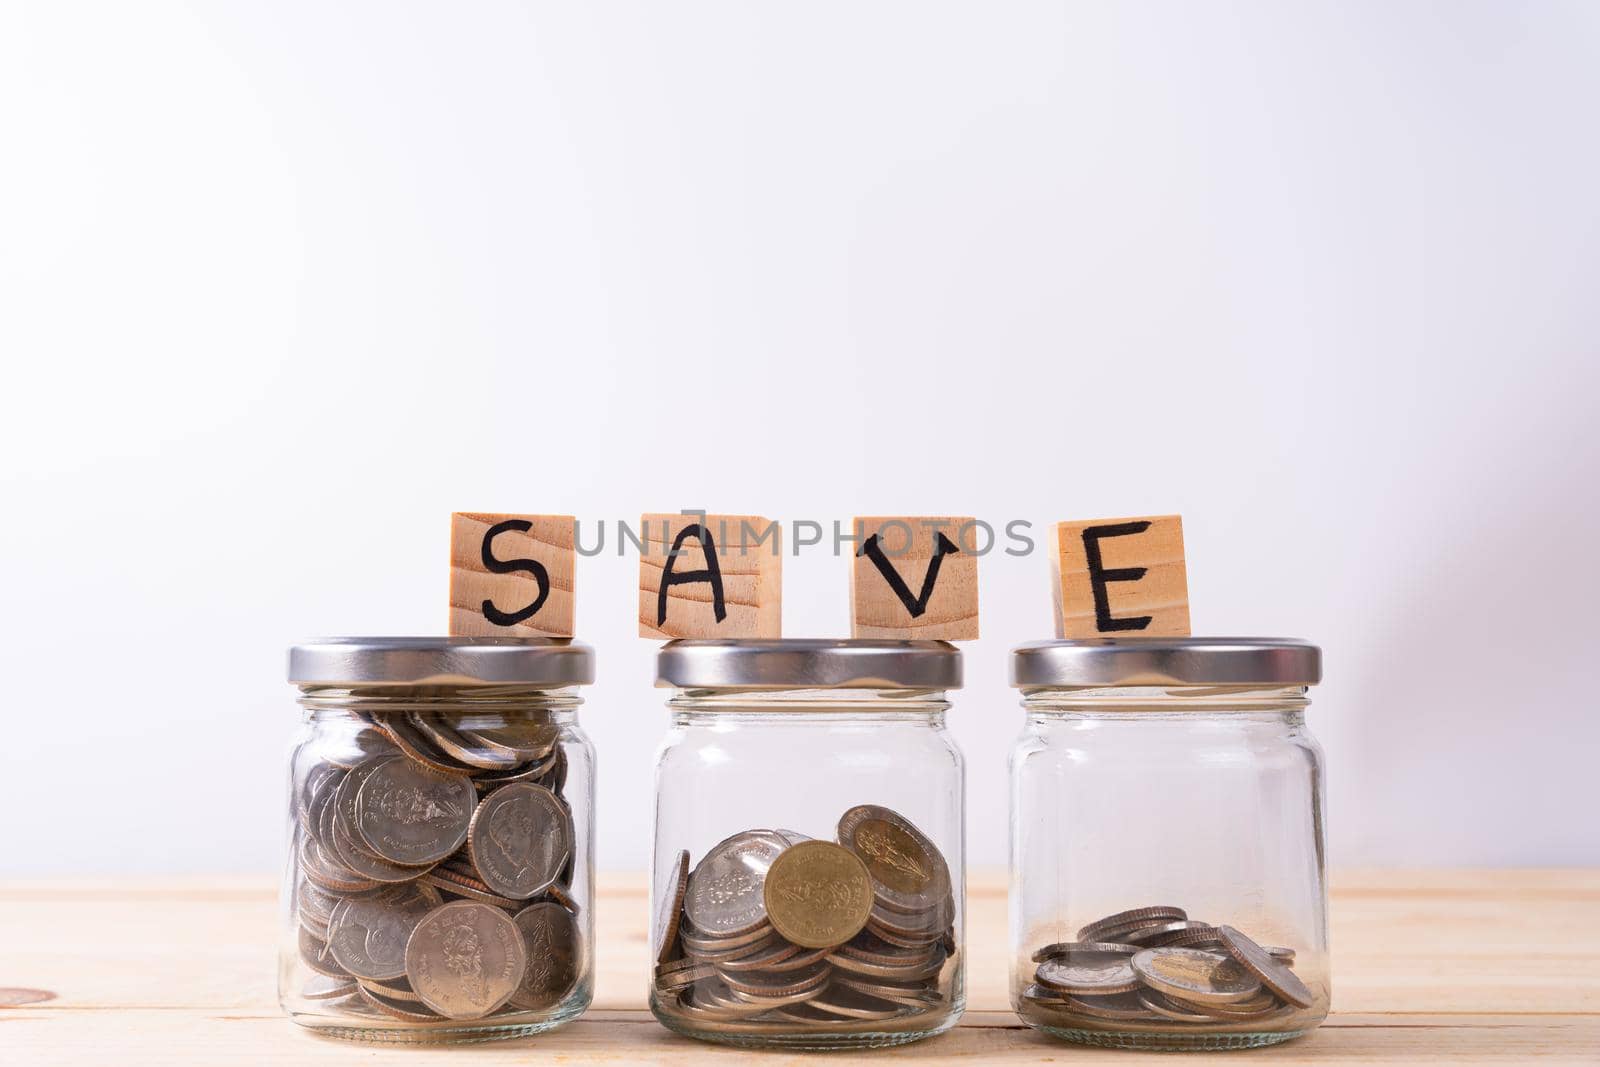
(806, 663)
(1165, 661)
(353, 661)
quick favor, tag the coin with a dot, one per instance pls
(672, 908)
(907, 870)
(1123, 1007)
(368, 937)
(726, 890)
(323, 987)
(1092, 974)
(466, 959)
(1195, 976)
(519, 839)
(1166, 933)
(1274, 974)
(818, 894)
(1082, 948)
(1133, 919)
(1177, 1011)
(410, 814)
(550, 936)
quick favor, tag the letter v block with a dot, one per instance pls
(710, 576)
(915, 577)
(1121, 578)
(511, 575)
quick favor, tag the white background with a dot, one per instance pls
(282, 284)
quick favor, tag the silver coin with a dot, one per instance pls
(410, 814)
(367, 937)
(1124, 922)
(725, 894)
(466, 959)
(1274, 974)
(554, 948)
(1194, 976)
(1099, 974)
(667, 921)
(519, 839)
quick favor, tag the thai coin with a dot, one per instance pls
(323, 987)
(409, 814)
(888, 936)
(410, 1011)
(550, 936)
(1263, 1003)
(314, 952)
(874, 949)
(907, 869)
(466, 959)
(696, 942)
(1128, 921)
(558, 894)
(908, 924)
(773, 963)
(349, 749)
(1168, 1008)
(459, 748)
(457, 885)
(726, 891)
(1095, 975)
(396, 991)
(1194, 976)
(738, 952)
(850, 964)
(1165, 933)
(818, 894)
(519, 839)
(1044, 994)
(767, 958)
(328, 878)
(368, 937)
(417, 747)
(909, 996)
(670, 916)
(685, 977)
(489, 781)
(523, 741)
(847, 1004)
(1281, 954)
(1125, 1007)
(1067, 949)
(364, 863)
(1274, 974)
(785, 986)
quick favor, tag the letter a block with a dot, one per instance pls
(915, 577)
(710, 576)
(1121, 578)
(511, 575)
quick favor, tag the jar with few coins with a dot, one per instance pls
(1168, 886)
(439, 884)
(808, 880)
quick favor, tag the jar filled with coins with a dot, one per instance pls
(440, 875)
(808, 881)
(1168, 888)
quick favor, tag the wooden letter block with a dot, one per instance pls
(915, 577)
(710, 576)
(511, 575)
(1121, 578)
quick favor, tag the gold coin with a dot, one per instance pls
(818, 894)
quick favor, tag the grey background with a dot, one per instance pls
(286, 283)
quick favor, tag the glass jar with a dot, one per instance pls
(1168, 888)
(441, 828)
(808, 881)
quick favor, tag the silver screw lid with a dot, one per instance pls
(809, 663)
(351, 661)
(1165, 661)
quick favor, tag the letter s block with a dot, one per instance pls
(915, 578)
(710, 576)
(511, 575)
(1121, 578)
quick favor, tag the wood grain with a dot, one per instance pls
(1451, 967)
(749, 560)
(548, 541)
(908, 545)
(1152, 544)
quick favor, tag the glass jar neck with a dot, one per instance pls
(1133, 702)
(554, 705)
(790, 706)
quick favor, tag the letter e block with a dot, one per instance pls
(511, 575)
(1121, 578)
(915, 578)
(710, 576)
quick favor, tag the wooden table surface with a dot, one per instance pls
(1449, 966)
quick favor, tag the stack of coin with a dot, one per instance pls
(773, 930)
(433, 857)
(1154, 965)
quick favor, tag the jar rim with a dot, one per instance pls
(461, 661)
(808, 663)
(1165, 661)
